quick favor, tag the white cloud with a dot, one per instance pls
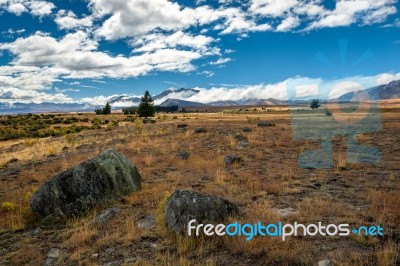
(386, 78)
(17, 8)
(157, 41)
(35, 7)
(348, 12)
(41, 8)
(288, 24)
(76, 56)
(68, 20)
(274, 8)
(139, 17)
(66, 90)
(221, 61)
(28, 77)
(13, 95)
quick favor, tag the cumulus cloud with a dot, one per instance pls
(75, 56)
(16, 8)
(35, 7)
(68, 20)
(348, 12)
(157, 41)
(386, 78)
(13, 95)
(288, 23)
(274, 8)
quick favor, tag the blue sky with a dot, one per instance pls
(86, 51)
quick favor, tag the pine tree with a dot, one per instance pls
(146, 106)
(107, 109)
(315, 104)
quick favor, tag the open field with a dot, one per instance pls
(266, 185)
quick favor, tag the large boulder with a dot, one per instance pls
(77, 190)
(184, 205)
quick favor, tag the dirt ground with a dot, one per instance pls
(268, 186)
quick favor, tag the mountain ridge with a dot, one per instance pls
(181, 97)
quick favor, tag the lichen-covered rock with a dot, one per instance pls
(232, 159)
(184, 205)
(76, 191)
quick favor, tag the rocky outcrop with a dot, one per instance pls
(184, 205)
(79, 189)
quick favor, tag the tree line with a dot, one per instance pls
(146, 108)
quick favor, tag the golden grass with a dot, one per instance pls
(269, 177)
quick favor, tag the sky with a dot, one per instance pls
(86, 51)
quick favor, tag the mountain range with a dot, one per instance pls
(181, 98)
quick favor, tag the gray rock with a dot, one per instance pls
(148, 121)
(147, 222)
(184, 155)
(52, 256)
(243, 141)
(264, 124)
(284, 212)
(325, 263)
(36, 231)
(200, 130)
(76, 191)
(184, 205)
(182, 125)
(150, 245)
(53, 253)
(232, 159)
(105, 216)
(113, 263)
(247, 129)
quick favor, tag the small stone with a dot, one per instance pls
(95, 255)
(150, 245)
(148, 121)
(53, 253)
(284, 212)
(182, 125)
(232, 159)
(325, 262)
(105, 216)
(264, 124)
(184, 155)
(147, 222)
(243, 141)
(200, 130)
(130, 260)
(36, 231)
(247, 129)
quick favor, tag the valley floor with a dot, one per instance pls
(268, 186)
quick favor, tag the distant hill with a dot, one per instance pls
(182, 96)
(180, 103)
(383, 92)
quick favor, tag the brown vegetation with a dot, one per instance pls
(268, 179)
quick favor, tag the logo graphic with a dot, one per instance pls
(282, 230)
(349, 116)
